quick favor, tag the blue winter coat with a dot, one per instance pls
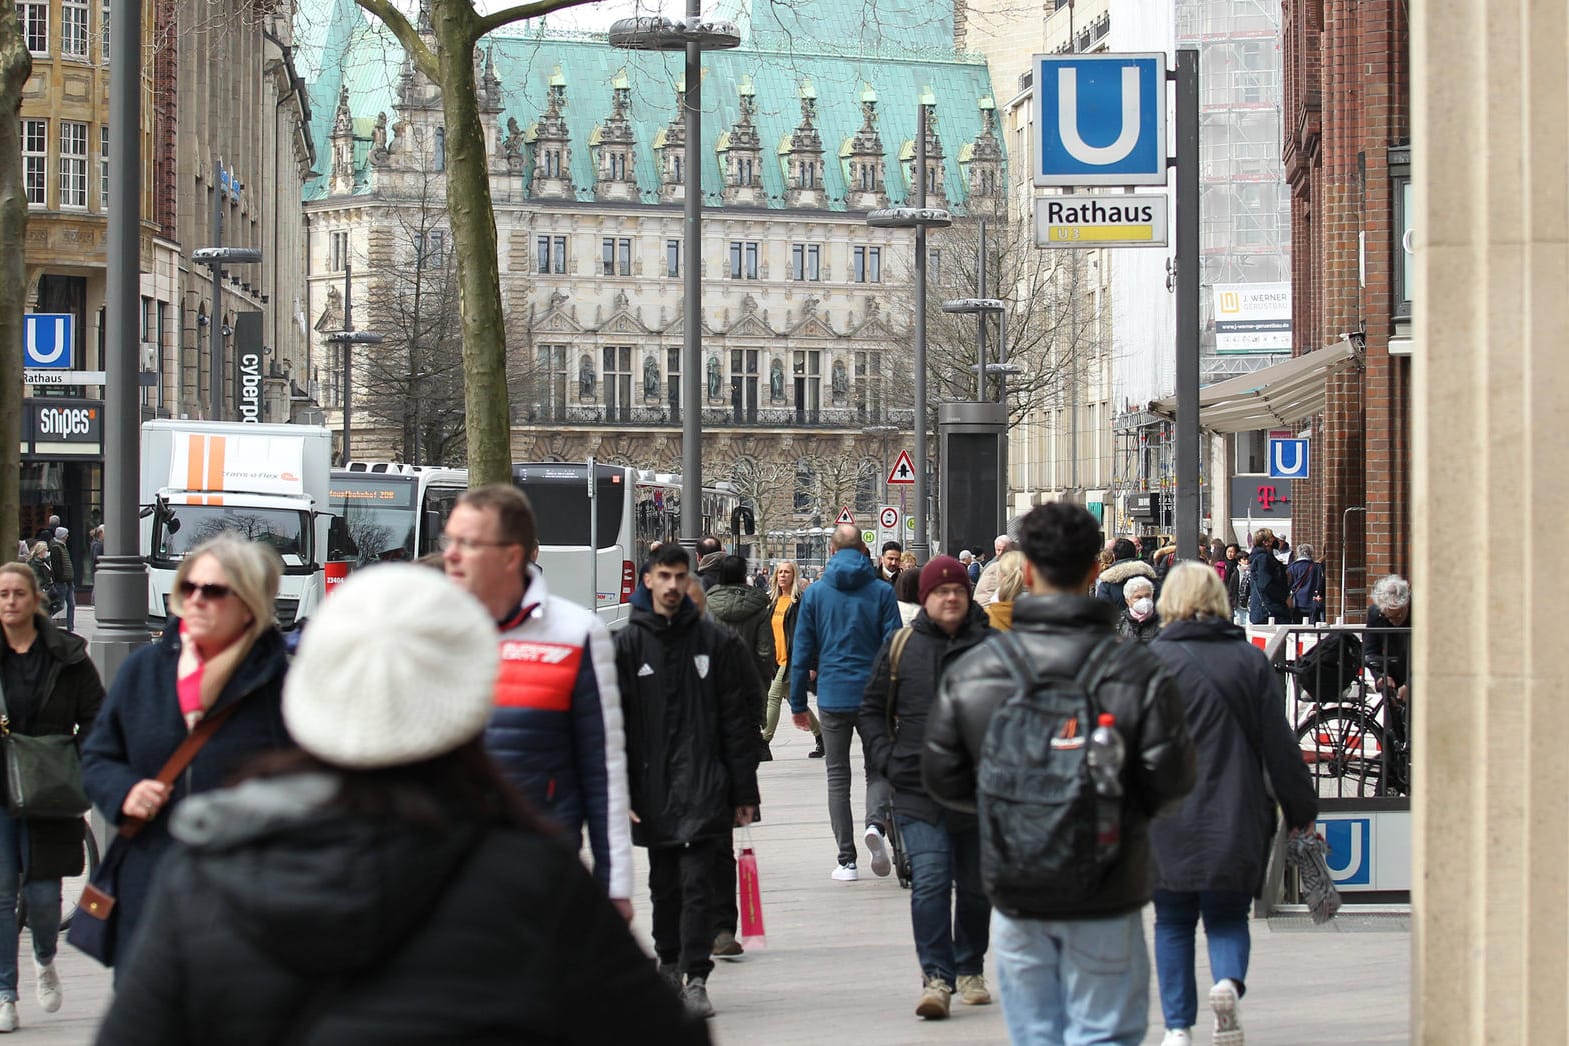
(843, 620)
(140, 726)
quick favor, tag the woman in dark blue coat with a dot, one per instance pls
(1269, 592)
(224, 651)
(1211, 851)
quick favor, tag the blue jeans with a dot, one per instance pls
(43, 905)
(948, 909)
(1073, 982)
(1226, 931)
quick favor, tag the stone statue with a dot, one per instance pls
(585, 376)
(650, 377)
(776, 380)
(840, 379)
(713, 377)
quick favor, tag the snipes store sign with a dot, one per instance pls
(1253, 317)
(60, 427)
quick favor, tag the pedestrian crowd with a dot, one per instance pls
(379, 838)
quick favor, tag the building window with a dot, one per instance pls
(35, 160)
(618, 382)
(441, 148)
(934, 266)
(552, 163)
(808, 386)
(103, 167)
(868, 388)
(73, 28)
(33, 20)
(743, 259)
(809, 175)
(103, 34)
(672, 257)
(867, 265)
(339, 254)
(73, 165)
(743, 385)
(743, 170)
(552, 404)
(552, 251)
(673, 382)
(615, 256)
(805, 261)
(868, 177)
(430, 248)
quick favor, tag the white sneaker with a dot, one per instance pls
(1178, 1037)
(49, 994)
(846, 873)
(7, 1015)
(1223, 1000)
(878, 845)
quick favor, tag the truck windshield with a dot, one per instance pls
(183, 527)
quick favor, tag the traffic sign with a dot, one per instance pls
(903, 470)
(845, 516)
(1288, 459)
(888, 518)
(47, 340)
(1102, 118)
(1100, 221)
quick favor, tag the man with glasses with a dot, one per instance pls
(556, 730)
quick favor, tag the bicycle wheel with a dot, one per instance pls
(1344, 749)
(71, 887)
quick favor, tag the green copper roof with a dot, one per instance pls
(857, 49)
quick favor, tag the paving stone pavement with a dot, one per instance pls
(840, 964)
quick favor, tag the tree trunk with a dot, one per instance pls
(474, 242)
(15, 67)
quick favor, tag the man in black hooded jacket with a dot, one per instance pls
(689, 700)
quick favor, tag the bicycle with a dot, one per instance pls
(896, 851)
(72, 886)
(1348, 742)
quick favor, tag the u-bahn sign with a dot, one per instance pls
(1102, 119)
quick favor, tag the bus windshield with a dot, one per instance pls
(374, 518)
(180, 528)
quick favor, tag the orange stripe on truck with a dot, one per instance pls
(196, 452)
(215, 447)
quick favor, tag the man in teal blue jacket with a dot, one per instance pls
(843, 621)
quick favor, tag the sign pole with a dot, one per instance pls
(1189, 503)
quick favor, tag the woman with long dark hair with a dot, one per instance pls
(384, 885)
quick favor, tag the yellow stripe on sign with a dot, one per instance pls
(1102, 232)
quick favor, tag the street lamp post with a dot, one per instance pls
(346, 339)
(217, 258)
(920, 218)
(692, 36)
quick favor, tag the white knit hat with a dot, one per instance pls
(398, 666)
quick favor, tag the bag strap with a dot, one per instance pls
(181, 758)
(901, 639)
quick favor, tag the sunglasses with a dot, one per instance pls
(209, 592)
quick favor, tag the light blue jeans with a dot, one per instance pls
(43, 905)
(1073, 983)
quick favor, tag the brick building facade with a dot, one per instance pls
(1347, 153)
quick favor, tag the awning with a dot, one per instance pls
(1274, 397)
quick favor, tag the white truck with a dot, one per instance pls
(268, 483)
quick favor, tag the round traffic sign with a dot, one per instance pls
(888, 518)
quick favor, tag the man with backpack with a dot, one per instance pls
(1066, 742)
(943, 846)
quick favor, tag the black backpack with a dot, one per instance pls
(1329, 667)
(1034, 794)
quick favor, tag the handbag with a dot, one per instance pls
(751, 897)
(94, 930)
(43, 774)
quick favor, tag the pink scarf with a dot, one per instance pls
(198, 681)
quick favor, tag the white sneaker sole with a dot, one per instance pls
(878, 846)
(1228, 1028)
(846, 875)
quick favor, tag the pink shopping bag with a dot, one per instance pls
(751, 899)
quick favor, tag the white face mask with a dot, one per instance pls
(1142, 608)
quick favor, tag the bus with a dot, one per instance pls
(387, 513)
(628, 511)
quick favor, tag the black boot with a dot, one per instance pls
(816, 753)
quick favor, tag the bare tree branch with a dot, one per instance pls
(407, 35)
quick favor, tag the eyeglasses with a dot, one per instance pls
(210, 592)
(469, 544)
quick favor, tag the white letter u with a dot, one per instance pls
(1068, 119)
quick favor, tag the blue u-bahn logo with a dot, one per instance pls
(47, 338)
(1350, 841)
(1102, 119)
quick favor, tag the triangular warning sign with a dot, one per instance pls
(845, 516)
(903, 470)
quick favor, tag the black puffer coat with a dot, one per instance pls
(1116, 577)
(1269, 590)
(1143, 631)
(898, 756)
(688, 697)
(1217, 838)
(71, 693)
(1058, 634)
(282, 919)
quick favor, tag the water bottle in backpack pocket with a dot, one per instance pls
(1050, 814)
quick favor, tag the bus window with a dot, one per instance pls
(560, 501)
(439, 502)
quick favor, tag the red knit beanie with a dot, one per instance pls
(940, 570)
